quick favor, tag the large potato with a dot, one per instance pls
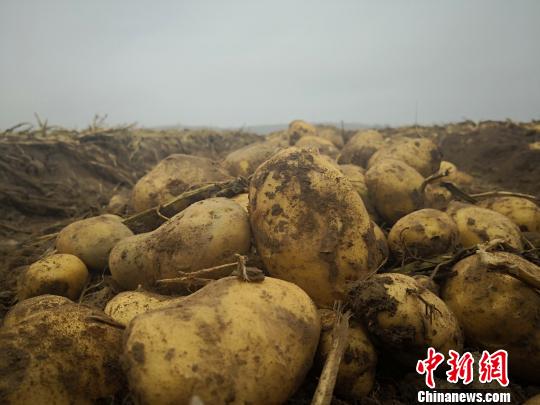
(310, 226)
(298, 128)
(59, 274)
(405, 318)
(498, 310)
(92, 239)
(324, 146)
(32, 306)
(244, 161)
(523, 212)
(361, 147)
(394, 187)
(356, 374)
(421, 154)
(478, 225)
(206, 234)
(356, 176)
(231, 342)
(171, 177)
(66, 354)
(424, 233)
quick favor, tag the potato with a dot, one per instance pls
(356, 374)
(382, 243)
(394, 188)
(244, 161)
(437, 197)
(59, 274)
(298, 129)
(478, 225)
(127, 305)
(424, 233)
(421, 154)
(325, 147)
(92, 239)
(67, 354)
(524, 213)
(361, 147)
(119, 202)
(32, 306)
(171, 177)
(332, 134)
(427, 283)
(498, 310)
(404, 318)
(455, 175)
(356, 176)
(206, 234)
(310, 226)
(230, 342)
(242, 200)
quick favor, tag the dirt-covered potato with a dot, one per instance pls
(437, 197)
(357, 177)
(206, 234)
(404, 318)
(324, 146)
(309, 224)
(394, 187)
(497, 308)
(478, 225)
(332, 134)
(524, 213)
(361, 147)
(421, 154)
(171, 177)
(455, 175)
(242, 199)
(382, 242)
(424, 233)
(298, 129)
(58, 274)
(67, 354)
(230, 342)
(244, 161)
(32, 306)
(356, 374)
(127, 305)
(92, 239)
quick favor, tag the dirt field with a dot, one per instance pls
(50, 177)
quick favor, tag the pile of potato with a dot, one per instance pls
(327, 218)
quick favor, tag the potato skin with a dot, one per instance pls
(421, 154)
(298, 129)
(60, 355)
(92, 239)
(310, 226)
(393, 308)
(524, 213)
(171, 177)
(324, 146)
(242, 200)
(230, 342)
(478, 225)
(356, 176)
(361, 147)
(424, 233)
(58, 274)
(31, 306)
(126, 305)
(244, 161)
(496, 310)
(207, 233)
(356, 374)
(394, 188)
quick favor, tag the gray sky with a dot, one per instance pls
(229, 63)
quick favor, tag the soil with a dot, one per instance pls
(50, 177)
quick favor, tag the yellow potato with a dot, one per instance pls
(478, 225)
(325, 147)
(68, 354)
(455, 175)
(332, 134)
(382, 242)
(437, 197)
(524, 213)
(242, 200)
(421, 154)
(356, 176)
(394, 188)
(359, 149)
(92, 239)
(59, 274)
(424, 233)
(497, 310)
(171, 177)
(356, 374)
(206, 234)
(231, 342)
(244, 161)
(298, 129)
(32, 306)
(404, 318)
(310, 226)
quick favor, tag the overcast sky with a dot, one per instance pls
(230, 63)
